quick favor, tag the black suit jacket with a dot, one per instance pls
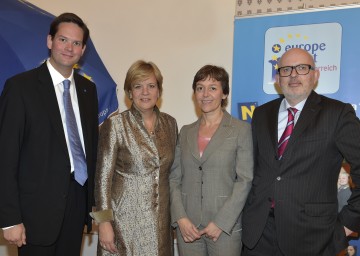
(34, 160)
(304, 182)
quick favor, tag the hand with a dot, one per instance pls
(211, 231)
(106, 237)
(15, 235)
(348, 232)
(188, 231)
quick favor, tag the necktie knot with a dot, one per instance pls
(292, 112)
(66, 84)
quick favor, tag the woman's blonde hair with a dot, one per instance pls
(140, 71)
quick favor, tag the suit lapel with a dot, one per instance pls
(191, 139)
(83, 100)
(307, 115)
(272, 124)
(81, 93)
(48, 96)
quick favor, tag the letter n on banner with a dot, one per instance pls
(246, 110)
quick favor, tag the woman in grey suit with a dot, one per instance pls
(212, 172)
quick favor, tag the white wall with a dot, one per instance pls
(180, 36)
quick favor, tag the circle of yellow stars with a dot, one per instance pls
(282, 40)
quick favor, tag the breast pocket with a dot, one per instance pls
(229, 144)
(319, 136)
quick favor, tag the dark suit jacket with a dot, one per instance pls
(34, 160)
(304, 182)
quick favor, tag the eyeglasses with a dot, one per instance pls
(301, 69)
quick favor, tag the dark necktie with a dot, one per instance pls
(287, 132)
(74, 138)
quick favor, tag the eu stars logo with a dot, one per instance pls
(276, 48)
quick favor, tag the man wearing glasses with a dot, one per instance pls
(300, 141)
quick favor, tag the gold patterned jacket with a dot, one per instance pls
(132, 181)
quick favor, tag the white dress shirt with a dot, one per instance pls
(57, 79)
(283, 115)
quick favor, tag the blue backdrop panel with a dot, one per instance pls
(23, 31)
(330, 35)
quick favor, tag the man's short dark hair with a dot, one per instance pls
(70, 18)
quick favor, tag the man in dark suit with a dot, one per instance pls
(292, 206)
(44, 200)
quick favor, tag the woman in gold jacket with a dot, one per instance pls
(136, 151)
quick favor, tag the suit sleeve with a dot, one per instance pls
(12, 125)
(348, 143)
(176, 206)
(107, 153)
(95, 136)
(229, 213)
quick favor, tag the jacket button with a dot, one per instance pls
(278, 178)
(200, 168)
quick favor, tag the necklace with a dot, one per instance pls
(151, 127)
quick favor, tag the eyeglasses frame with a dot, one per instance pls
(294, 67)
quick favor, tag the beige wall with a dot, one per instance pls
(179, 36)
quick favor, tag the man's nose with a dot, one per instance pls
(69, 46)
(293, 72)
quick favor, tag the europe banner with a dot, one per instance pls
(329, 35)
(23, 31)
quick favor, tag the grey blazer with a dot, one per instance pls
(213, 187)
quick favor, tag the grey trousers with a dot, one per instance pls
(225, 245)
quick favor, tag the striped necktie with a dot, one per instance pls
(287, 132)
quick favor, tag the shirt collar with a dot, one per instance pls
(285, 105)
(56, 77)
